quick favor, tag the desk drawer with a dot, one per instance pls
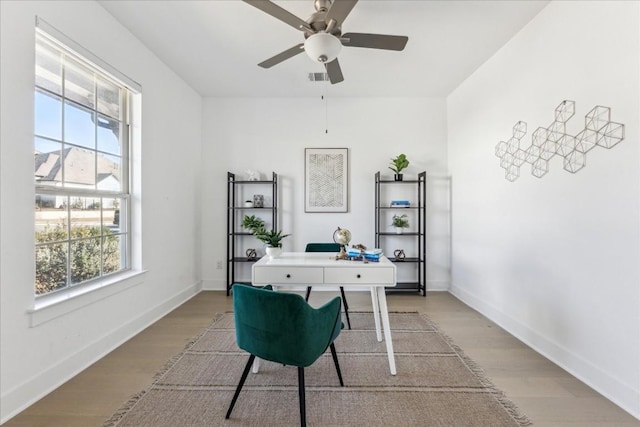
(362, 276)
(287, 275)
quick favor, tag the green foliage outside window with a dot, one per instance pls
(93, 249)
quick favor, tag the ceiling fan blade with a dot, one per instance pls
(274, 60)
(339, 10)
(279, 13)
(334, 71)
(374, 41)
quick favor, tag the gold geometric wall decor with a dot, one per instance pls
(553, 140)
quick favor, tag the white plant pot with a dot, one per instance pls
(248, 204)
(399, 230)
(274, 252)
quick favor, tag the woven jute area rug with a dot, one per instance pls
(435, 385)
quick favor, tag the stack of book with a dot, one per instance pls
(372, 255)
(400, 204)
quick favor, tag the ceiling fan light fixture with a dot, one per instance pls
(322, 47)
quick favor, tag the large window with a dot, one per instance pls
(81, 164)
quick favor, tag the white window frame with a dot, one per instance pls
(129, 275)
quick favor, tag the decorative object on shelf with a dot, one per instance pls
(273, 240)
(342, 236)
(400, 204)
(252, 223)
(400, 222)
(547, 142)
(325, 180)
(248, 203)
(251, 254)
(399, 254)
(253, 175)
(398, 164)
(258, 201)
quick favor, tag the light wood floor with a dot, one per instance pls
(544, 392)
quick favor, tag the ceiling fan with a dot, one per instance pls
(323, 34)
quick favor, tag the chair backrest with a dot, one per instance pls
(283, 327)
(322, 247)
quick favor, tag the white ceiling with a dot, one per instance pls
(215, 45)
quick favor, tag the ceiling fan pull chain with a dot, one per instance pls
(326, 107)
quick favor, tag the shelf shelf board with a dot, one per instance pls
(252, 182)
(405, 286)
(244, 259)
(411, 233)
(407, 260)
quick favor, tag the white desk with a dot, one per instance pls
(322, 269)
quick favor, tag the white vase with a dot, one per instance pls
(399, 230)
(274, 252)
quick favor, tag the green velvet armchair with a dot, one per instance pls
(328, 247)
(283, 328)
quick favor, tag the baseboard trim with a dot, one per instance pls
(438, 285)
(35, 388)
(214, 285)
(617, 392)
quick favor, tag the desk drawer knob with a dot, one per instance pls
(288, 276)
(358, 276)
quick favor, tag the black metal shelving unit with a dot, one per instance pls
(235, 213)
(416, 260)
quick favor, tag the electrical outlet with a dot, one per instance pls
(219, 265)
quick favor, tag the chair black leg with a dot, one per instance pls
(242, 380)
(306, 298)
(335, 362)
(346, 306)
(303, 410)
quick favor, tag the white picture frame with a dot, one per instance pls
(326, 180)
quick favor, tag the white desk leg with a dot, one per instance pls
(256, 365)
(382, 299)
(376, 312)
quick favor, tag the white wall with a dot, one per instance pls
(37, 359)
(271, 135)
(555, 260)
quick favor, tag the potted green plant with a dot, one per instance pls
(398, 164)
(273, 240)
(400, 222)
(252, 223)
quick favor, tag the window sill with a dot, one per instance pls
(50, 307)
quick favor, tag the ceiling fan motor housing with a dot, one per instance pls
(318, 24)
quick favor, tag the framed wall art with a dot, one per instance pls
(326, 179)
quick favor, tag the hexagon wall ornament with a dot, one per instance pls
(510, 154)
(553, 140)
(610, 134)
(575, 161)
(539, 168)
